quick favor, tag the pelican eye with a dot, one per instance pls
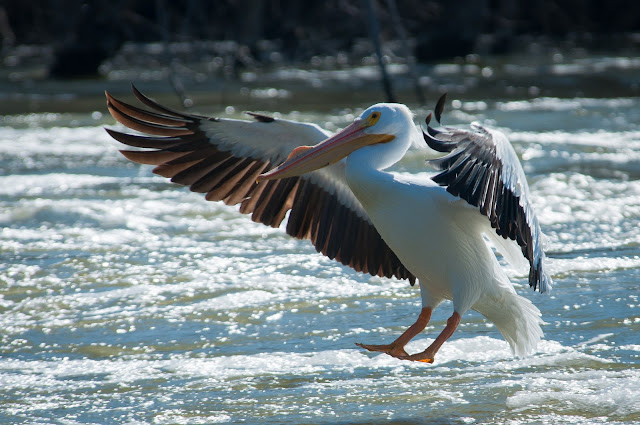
(373, 118)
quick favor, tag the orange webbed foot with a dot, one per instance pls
(419, 357)
(391, 349)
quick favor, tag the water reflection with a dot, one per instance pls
(127, 299)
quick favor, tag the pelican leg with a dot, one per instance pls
(396, 348)
(429, 354)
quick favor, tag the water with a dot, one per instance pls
(125, 299)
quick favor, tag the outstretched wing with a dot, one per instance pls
(223, 157)
(482, 168)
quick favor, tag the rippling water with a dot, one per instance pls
(126, 299)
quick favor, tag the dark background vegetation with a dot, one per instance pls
(62, 54)
(84, 33)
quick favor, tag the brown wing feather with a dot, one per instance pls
(182, 151)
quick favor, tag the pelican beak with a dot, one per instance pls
(305, 159)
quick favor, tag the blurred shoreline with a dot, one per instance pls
(274, 55)
(210, 80)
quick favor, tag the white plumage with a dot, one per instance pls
(352, 210)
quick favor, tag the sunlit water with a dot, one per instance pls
(126, 299)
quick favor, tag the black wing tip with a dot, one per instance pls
(429, 137)
(542, 282)
(260, 117)
(431, 133)
(141, 96)
(437, 112)
(440, 106)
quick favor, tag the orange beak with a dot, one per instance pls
(305, 159)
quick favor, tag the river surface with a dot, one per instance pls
(125, 299)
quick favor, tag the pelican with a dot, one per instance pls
(435, 230)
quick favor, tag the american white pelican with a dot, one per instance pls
(353, 211)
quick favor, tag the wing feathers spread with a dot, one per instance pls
(482, 168)
(222, 159)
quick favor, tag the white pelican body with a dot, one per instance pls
(423, 236)
(341, 199)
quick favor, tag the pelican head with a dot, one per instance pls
(385, 127)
